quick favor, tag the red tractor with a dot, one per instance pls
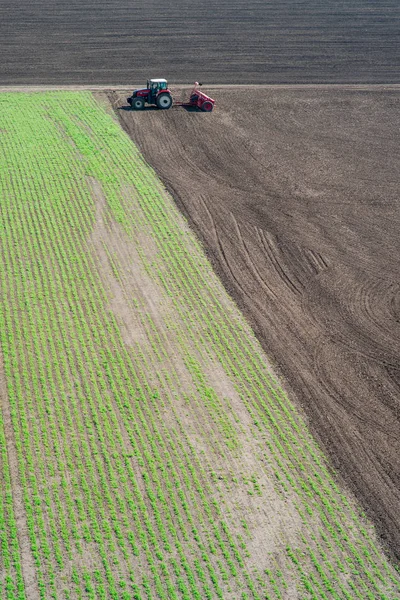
(156, 92)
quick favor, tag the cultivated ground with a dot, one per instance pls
(294, 192)
(257, 41)
(147, 449)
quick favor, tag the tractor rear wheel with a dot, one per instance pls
(164, 101)
(137, 103)
(207, 106)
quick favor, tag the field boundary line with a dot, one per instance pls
(214, 86)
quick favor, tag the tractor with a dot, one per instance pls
(156, 92)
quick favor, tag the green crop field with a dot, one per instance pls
(147, 449)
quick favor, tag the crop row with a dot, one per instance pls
(78, 435)
(333, 507)
(119, 502)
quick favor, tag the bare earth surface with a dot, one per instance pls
(257, 41)
(294, 192)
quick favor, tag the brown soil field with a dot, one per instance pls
(252, 41)
(294, 193)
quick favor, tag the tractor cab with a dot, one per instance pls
(155, 86)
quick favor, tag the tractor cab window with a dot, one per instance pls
(163, 85)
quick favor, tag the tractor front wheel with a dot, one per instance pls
(137, 103)
(164, 101)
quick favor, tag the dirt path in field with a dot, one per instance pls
(123, 89)
(295, 194)
(27, 559)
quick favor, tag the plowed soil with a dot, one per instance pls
(236, 41)
(294, 193)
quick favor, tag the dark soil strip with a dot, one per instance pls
(236, 41)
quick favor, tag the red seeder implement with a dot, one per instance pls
(198, 99)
